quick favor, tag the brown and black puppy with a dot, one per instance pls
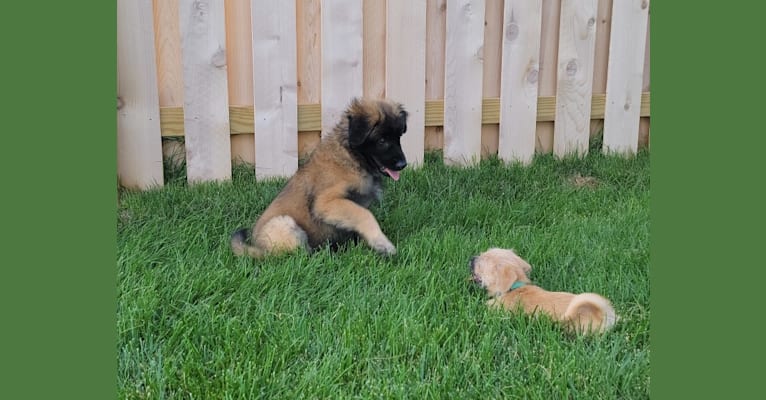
(504, 275)
(327, 200)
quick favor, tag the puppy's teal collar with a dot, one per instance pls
(516, 285)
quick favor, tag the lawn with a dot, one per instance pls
(195, 322)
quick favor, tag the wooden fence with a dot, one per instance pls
(256, 81)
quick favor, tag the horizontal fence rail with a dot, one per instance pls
(259, 81)
(310, 115)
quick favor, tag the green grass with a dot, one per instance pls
(196, 322)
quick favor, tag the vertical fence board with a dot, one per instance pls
(405, 69)
(275, 87)
(462, 81)
(206, 98)
(239, 61)
(577, 40)
(625, 75)
(308, 27)
(435, 34)
(643, 126)
(549, 44)
(341, 58)
(492, 50)
(519, 82)
(167, 44)
(139, 146)
(601, 58)
(374, 68)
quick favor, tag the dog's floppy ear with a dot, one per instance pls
(358, 129)
(518, 261)
(401, 120)
(506, 277)
(358, 124)
(522, 263)
(525, 266)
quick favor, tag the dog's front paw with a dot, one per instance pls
(383, 246)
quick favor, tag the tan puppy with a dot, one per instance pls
(327, 200)
(504, 275)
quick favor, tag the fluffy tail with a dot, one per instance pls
(590, 312)
(240, 244)
(278, 235)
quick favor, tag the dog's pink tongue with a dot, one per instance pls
(393, 174)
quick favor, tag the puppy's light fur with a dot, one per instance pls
(498, 269)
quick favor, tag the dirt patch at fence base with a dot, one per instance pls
(580, 181)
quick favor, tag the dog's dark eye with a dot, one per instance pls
(381, 142)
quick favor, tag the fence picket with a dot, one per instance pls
(577, 40)
(405, 81)
(308, 26)
(463, 81)
(374, 56)
(206, 98)
(275, 87)
(519, 82)
(139, 145)
(601, 58)
(492, 51)
(549, 44)
(341, 58)
(643, 125)
(239, 63)
(435, 32)
(167, 42)
(625, 75)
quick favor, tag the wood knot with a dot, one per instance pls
(571, 67)
(200, 8)
(120, 103)
(219, 58)
(532, 75)
(591, 22)
(480, 54)
(511, 31)
(644, 4)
